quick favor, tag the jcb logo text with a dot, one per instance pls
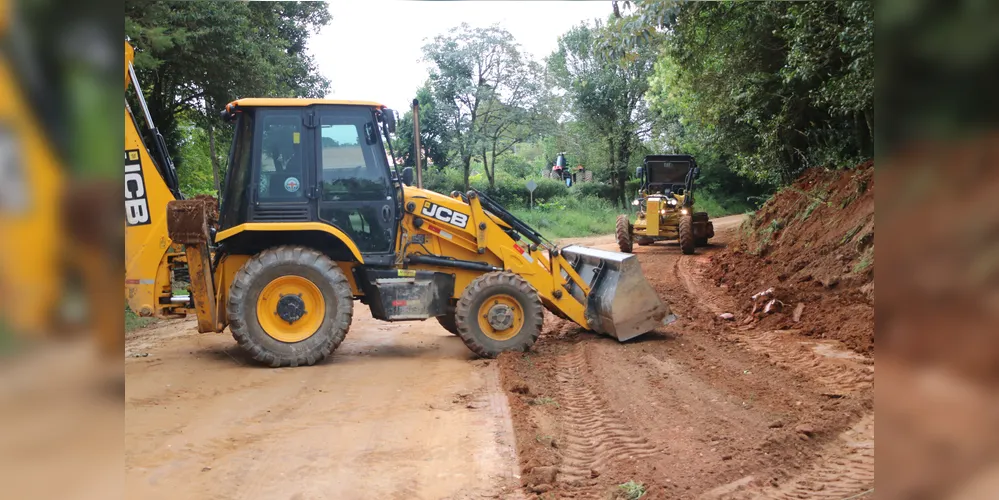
(444, 214)
(136, 206)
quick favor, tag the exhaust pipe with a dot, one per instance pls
(416, 143)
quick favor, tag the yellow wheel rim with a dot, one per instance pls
(501, 317)
(291, 293)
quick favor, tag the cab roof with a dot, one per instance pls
(295, 101)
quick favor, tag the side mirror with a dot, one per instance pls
(697, 172)
(407, 176)
(639, 172)
(388, 118)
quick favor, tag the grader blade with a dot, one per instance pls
(621, 302)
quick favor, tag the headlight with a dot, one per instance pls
(672, 202)
(636, 203)
(683, 211)
(663, 211)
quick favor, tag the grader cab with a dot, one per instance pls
(313, 216)
(664, 207)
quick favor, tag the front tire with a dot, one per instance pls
(497, 312)
(289, 306)
(449, 323)
(622, 231)
(686, 231)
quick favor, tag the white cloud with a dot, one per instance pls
(372, 49)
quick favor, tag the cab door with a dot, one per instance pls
(355, 193)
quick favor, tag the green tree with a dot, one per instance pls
(767, 88)
(481, 83)
(194, 57)
(607, 94)
(434, 133)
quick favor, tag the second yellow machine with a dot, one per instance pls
(314, 215)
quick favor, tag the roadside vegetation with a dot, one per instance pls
(135, 322)
(757, 92)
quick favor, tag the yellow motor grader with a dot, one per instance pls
(314, 215)
(665, 206)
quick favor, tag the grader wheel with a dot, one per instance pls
(622, 230)
(497, 312)
(686, 231)
(289, 306)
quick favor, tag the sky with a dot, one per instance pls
(371, 50)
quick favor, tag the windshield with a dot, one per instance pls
(668, 172)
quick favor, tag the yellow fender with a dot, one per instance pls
(293, 226)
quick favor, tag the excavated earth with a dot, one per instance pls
(758, 406)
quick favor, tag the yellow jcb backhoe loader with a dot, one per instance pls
(151, 258)
(313, 216)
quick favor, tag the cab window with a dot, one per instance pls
(282, 163)
(351, 167)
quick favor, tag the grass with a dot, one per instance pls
(544, 400)
(850, 234)
(573, 217)
(811, 208)
(632, 490)
(866, 261)
(134, 321)
(570, 217)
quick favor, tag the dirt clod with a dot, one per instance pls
(540, 488)
(805, 429)
(541, 475)
(520, 388)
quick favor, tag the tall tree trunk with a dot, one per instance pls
(215, 159)
(612, 160)
(485, 165)
(624, 156)
(467, 165)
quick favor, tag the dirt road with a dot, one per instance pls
(400, 411)
(704, 408)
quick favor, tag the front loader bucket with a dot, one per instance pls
(621, 303)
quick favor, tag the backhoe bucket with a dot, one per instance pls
(621, 303)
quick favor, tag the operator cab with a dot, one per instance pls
(667, 174)
(311, 160)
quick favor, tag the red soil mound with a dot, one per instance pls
(813, 243)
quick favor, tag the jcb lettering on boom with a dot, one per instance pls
(445, 214)
(136, 205)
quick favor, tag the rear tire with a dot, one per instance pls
(303, 265)
(622, 230)
(686, 231)
(481, 298)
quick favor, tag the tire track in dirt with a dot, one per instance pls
(845, 469)
(594, 435)
(845, 466)
(841, 372)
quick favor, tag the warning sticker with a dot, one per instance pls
(296, 137)
(524, 253)
(408, 273)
